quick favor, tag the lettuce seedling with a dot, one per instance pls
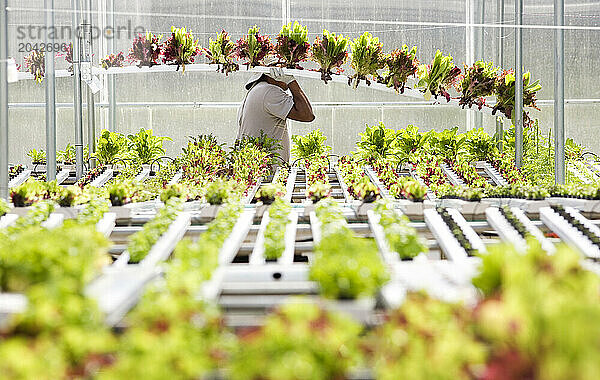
(110, 146)
(253, 47)
(438, 77)
(292, 45)
(367, 58)
(35, 63)
(180, 49)
(478, 82)
(145, 49)
(38, 157)
(220, 52)
(505, 93)
(310, 145)
(274, 242)
(144, 147)
(330, 52)
(113, 60)
(400, 64)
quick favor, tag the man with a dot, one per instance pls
(267, 106)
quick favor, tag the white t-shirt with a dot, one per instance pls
(266, 108)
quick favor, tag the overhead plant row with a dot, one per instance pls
(291, 47)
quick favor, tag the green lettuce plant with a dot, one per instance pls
(536, 327)
(67, 156)
(121, 193)
(448, 143)
(505, 93)
(318, 191)
(481, 146)
(426, 339)
(377, 142)
(299, 341)
(109, 147)
(142, 241)
(269, 192)
(367, 57)
(411, 142)
(94, 210)
(401, 237)
(144, 147)
(366, 191)
(345, 266)
(37, 156)
(274, 234)
(438, 77)
(220, 52)
(310, 145)
(221, 191)
(330, 52)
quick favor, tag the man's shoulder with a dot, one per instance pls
(268, 92)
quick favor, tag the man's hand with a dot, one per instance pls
(276, 73)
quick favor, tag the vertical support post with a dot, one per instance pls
(559, 92)
(479, 47)
(77, 100)
(50, 94)
(112, 96)
(91, 106)
(285, 11)
(3, 100)
(500, 63)
(469, 52)
(518, 117)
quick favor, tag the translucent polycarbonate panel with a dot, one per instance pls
(164, 101)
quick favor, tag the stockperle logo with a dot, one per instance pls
(66, 33)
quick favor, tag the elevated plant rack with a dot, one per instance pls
(416, 274)
(117, 291)
(106, 225)
(103, 178)
(569, 233)
(454, 179)
(377, 182)
(508, 233)
(19, 179)
(165, 245)
(287, 258)
(491, 172)
(445, 237)
(145, 173)
(8, 220)
(62, 176)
